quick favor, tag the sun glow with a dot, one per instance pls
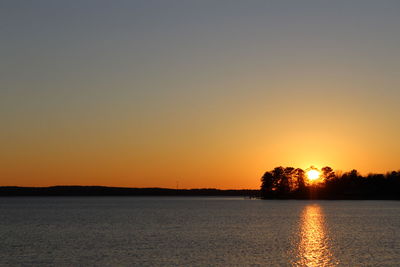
(313, 175)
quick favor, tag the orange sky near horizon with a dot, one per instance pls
(206, 95)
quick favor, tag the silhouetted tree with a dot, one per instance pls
(268, 185)
(289, 181)
(299, 177)
(278, 174)
(327, 173)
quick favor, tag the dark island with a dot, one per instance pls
(293, 183)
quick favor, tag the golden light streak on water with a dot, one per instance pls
(314, 249)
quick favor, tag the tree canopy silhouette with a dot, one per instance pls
(291, 183)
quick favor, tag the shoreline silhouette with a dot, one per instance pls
(122, 191)
(279, 183)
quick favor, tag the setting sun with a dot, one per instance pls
(313, 175)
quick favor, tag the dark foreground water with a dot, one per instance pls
(112, 231)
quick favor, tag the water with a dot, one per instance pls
(110, 231)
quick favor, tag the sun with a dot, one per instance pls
(313, 175)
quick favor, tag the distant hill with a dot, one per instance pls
(120, 191)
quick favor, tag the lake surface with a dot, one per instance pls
(150, 231)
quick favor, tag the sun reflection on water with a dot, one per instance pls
(314, 247)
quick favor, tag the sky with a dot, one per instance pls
(195, 94)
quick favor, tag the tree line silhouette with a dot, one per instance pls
(292, 183)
